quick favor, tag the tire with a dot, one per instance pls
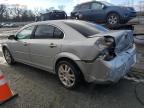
(76, 17)
(79, 17)
(68, 74)
(8, 57)
(113, 19)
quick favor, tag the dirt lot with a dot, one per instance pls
(39, 89)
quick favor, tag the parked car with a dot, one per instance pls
(8, 24)
(52, 15)
(73, 49)
(103, 12)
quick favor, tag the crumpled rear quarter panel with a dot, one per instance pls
(112, 71)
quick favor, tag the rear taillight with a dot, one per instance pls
(105, 42)
(107, 47)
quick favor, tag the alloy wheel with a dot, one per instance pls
(7, 56)
(113, 19)
(66, 75)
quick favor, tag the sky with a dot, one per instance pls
(69, 4)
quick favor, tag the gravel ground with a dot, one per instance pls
(139, 67)
(39, 89)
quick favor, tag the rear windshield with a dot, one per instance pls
(87, 29)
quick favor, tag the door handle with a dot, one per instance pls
(52, 45)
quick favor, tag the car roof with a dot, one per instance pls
(88, 3)
(58, 23)
(71, 32)
(52, 22)
(64, 27)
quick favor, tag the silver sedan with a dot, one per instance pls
(74, 50)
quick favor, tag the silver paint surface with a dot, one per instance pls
(79, 49)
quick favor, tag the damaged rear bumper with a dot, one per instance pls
(101, 71)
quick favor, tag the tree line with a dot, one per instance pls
(20, 14)
(15, 13)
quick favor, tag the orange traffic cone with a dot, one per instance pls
(5, 91)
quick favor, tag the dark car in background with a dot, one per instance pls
(52, 15)
(103, 12)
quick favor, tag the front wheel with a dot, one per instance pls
(8, 57)
(113, 19)
(68, 74)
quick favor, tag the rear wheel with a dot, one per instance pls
(76, 17)
(68, 74)
(8, 57)
(79, 17)
(113, 19)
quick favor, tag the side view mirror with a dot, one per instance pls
(11, 37)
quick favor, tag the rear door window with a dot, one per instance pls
(58, 34)
(85, 6)
(44, 32)
(48, 32)
(96, 6)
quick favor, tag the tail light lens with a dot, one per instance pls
(107, 46)
(105, 42)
